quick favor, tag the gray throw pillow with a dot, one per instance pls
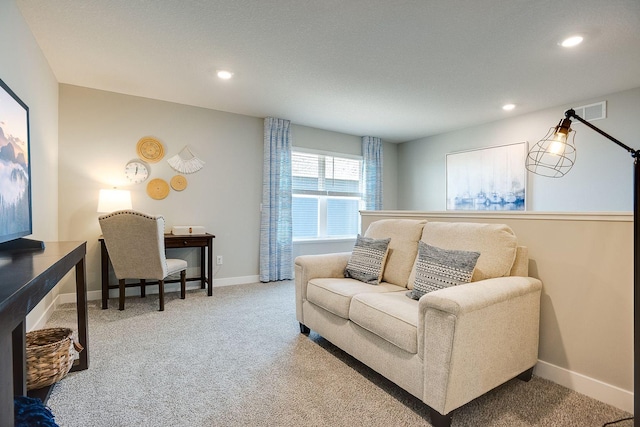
(438, 268)
(367, 260)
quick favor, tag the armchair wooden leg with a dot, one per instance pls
(161, 292)
(143, 285)
(121, 294)
(183, 284)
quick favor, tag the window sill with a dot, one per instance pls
(324, 240)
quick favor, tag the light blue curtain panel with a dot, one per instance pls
(372, 156)
(276, 235)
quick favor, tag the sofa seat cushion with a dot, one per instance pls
(392, 316)
(334, 294)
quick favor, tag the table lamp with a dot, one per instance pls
(114, 200)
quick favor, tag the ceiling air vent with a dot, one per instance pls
(592, 112)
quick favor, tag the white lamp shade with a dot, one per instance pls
(114, 200)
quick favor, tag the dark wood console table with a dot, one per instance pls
(26, 277)
(202, 241)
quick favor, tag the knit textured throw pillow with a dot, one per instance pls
(438, 268)
(367, 260)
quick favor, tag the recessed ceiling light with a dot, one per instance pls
(225, 75)
(572, 41)
(508, 107)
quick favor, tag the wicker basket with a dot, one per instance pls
(50, 354)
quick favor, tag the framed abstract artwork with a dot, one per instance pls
(487, 179)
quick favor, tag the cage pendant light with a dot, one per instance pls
(554, 155)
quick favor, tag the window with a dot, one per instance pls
(327, 195)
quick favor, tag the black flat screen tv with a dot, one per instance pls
(15, 167)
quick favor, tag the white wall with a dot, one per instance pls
(98, 135)
(586, 306)
(25, 70)
(601, 179)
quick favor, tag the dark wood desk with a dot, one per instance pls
(26, 277)
(202, 241)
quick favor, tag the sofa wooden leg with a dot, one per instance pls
(439, 420)
(143, 285)
(526, 375)
(304, 329)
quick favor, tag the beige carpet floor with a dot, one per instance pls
(238, 359)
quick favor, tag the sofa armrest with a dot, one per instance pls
(475, 337)
(309, 267)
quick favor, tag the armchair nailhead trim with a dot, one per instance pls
(129, 212)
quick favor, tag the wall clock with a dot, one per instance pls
(136, 171)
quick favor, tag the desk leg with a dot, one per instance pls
(7, 384)
(203, 279)
(19, 352)
(104, 261)
(210, 266)
(83, 321)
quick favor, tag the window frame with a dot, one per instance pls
(323, 195)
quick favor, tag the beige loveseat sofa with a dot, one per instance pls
(450, 346)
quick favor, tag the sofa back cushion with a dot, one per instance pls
(496, 243)
(403, 246)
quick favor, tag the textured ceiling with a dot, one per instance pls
(397, 69)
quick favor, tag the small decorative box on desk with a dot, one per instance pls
(187, 230)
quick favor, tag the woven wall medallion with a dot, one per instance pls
(158, 189)
(150, 149)
(179, 182)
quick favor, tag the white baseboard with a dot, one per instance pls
(607, 393)
(230, 281)
(46, 314)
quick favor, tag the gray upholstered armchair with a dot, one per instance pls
(135, 242)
